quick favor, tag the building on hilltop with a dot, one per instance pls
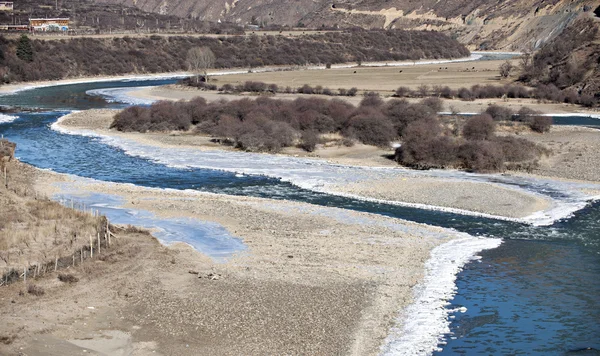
(47, 25)
(6, 6)
(14, 28)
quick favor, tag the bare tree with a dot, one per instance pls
(525, 60)
(199, 59)
(505, 69)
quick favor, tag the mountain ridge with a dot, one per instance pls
(485, 25)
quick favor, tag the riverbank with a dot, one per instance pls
(317, 280)
(391, 184)
(15, 87)
(179, 92)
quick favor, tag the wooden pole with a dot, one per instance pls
(91, 247)
(55, 264)
(81, 255)
(25, 275)
(98, 243)
(73, 259)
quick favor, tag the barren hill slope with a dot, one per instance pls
(485, 24)
(570, 61)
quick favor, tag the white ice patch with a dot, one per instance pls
(207, 237)
(4, 119)
(120, 95)
(322, 176)
(423, 324)
(127, 78)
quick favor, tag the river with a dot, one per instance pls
(535, 294)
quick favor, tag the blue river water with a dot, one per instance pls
(538, 293)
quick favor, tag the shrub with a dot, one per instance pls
(254, 87)
(447, 93)
(35, 290)
(67, 278)
(402, 92)
(517, 149)
(435, 104)
(499, 113)
(309, 140)
(480, 127)
(371, 127)
(481, 156)
(525, 114)
(506, 68)
(402, 113)
(227, 88)
(423, 90)
(306, 89)
(371, 99)
(540, 124)
(465, 94)
(437, 152)
(352, 91)
(328, 91)
(421, 131)
(587, 100)
(423, 148)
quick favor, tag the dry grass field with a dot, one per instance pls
(35, 231)
(381, 79)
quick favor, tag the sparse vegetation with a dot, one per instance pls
(542, 92)
(267, 124)
(57, 59)
(35, 290)
(200, 60)
(67, 278)
(506, 69)
(37, 235)
(566, 68)
(540, 123)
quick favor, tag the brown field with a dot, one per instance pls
(381, 79)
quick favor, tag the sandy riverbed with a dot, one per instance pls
(470, 196)
(313, 280)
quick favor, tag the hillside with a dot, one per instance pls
(88, 17)
(482, 24)
(570, 62)
(29, 60)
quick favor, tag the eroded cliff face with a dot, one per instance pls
(571, 60)
(481, 24)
